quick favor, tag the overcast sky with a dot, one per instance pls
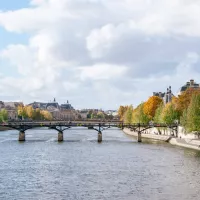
(97, 53)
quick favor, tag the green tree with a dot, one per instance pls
(169, 114)
(158, 114)
(139, 116)
(183, 118)
(193, 114)
(3, 115)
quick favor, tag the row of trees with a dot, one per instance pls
(185, 108)
(3, 115)
(35, 114)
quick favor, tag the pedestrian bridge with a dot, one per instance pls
(98, 125)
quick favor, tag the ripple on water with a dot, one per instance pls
(80, 168)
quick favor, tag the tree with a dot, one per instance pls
(46, 115)
(169, 114)
(37, 114)
(183, 118)
(139, 116)
(183, 101)
(100, 115)
(128, 114)
(193, 114)
(151, 105)
(158, 114)
(121, 111)
(29, 111)
(3, 115)
(21, 110)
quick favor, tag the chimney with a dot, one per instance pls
(191, 82)
(170, 89)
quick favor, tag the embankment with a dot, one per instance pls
(188, 143)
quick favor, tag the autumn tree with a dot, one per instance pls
(151, 105)
(21, 111)
(46, 115)
(121, 111)
(37, 114)
(128, 114)
(29, 111)
(183, 100)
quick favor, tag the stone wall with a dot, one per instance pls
(167, 131)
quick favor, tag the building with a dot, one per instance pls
(166, 96)
(61, 112)
(190, 84)
(11, 108)
(83, 114)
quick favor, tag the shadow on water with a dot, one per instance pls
(191, 153)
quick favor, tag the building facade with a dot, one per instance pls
(11, 108)
(59, 112)
(166, 96)
(189, 84)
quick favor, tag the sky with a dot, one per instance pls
(97, 53)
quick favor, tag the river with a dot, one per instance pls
(79, 168)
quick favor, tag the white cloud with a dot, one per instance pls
(86, 49)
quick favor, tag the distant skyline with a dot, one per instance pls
(97, 53)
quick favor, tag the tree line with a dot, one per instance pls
(27, 112)
(184, 109)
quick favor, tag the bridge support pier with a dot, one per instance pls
(60, 136)
(139, 139)
(21, 136)
(99, 136)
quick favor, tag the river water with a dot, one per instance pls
(79, 168)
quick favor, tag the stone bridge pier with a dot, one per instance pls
(22, 136)
(60, 136)
(99, 136)
(139, 138)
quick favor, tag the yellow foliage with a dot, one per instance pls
(121, 112)
(182, 101)
(47, 115)
(151, 105)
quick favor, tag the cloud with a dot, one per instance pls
(101, 53)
